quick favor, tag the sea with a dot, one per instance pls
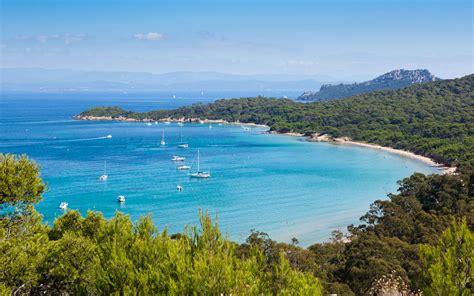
(281, 185)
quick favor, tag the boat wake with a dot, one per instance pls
(52, 141)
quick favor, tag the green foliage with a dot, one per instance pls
(448, 264)
(91, 255)
(113, 112)
(434, 119)
(20, 182)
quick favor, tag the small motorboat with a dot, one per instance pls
(178, 158)
(109, 137)
(179, 188)
(149, 124)
(183, 167)
(63, 205)
(183, 146)
(121, 199)
(180, 124)
(167, 122)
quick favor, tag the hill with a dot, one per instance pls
(392, 80)
(434, 119)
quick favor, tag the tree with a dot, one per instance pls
(20, 182)
(449, 264)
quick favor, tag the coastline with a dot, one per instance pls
(316, 137)
(169, 119)
(445, 170)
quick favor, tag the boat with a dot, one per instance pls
(201, 122)
(178, 158)
(121, 199)
(180, 124)
(183, 167)
(179, 188)
(219, 124)
(199, 173)
(104, 177)
(63, 205)
(167, 122)
(162, 142)
(182, 145)
(174, 96)
(246, 128)
(210, 125)
(109, 136)
(149, 124)
(156, 122)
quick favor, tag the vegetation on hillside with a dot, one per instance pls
(434, 119)
(398, 247)
(392, 80)
(93, 256)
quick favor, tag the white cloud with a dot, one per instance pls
(151, 36)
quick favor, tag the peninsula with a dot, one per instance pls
(432, 120)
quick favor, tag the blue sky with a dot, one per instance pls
(346, 39)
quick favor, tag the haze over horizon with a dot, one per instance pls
(274, 37)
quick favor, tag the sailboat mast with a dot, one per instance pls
(198, 161)
(105, 168)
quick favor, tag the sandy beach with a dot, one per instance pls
(347, 141)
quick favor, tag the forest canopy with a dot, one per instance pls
(434, 119)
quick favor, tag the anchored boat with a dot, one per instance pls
(199, 173)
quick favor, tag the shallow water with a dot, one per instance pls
(278, 184)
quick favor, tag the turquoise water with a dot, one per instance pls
(278, 184)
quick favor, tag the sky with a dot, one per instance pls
(345, 39)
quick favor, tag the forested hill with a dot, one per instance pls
(395, 79)
(435, 119)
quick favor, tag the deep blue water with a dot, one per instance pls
(278, 184)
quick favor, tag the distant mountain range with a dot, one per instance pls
(392, 80)
(38, 79)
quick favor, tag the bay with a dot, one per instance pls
(278, 184)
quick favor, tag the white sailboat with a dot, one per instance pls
(104, 177)
(199, 173)
(182, 145)
(162, 142)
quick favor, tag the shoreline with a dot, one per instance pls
(169, 119)
(316, 137)
(445, 170)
